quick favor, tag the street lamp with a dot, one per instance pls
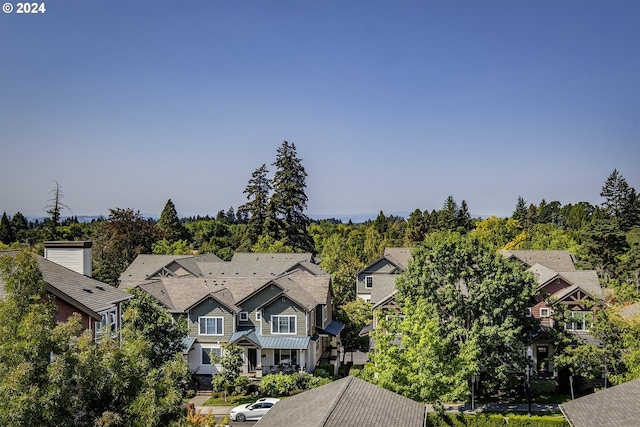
(529, 359)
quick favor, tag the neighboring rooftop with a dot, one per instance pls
(617, 406)
(555, 260)
(349, 402)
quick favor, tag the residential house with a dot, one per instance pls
(378, 279)
(66, 271)
(277, 307)
(560, 285)
(348, 401)
(617, 406)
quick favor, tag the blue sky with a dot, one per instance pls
(392, 106)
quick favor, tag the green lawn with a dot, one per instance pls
(231, 400)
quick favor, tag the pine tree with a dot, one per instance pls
(20, 226)
(616, 192)
(463, 218)
(54, 209)
(169, 224)
(286, 219)
(255, 210)
(520, 213)
(6, 231)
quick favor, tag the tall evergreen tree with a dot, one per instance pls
(447, 215)
(20, 227)
(255, 210)
(286, 219)
(416, 228)
(615, 192)
(6, 231)
(520, 213)
(463, 218)
(169, 224)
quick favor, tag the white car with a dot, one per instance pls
(253, 411)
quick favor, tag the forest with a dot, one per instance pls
(604, 237)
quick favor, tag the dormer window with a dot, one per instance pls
(244, 316)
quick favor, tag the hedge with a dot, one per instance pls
(495, 420)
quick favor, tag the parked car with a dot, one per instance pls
(253, 411)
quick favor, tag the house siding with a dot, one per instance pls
(285, 308)
(381, 267)
(255, 301)
(211, 307)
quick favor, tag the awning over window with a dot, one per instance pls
(333, 328)
(249, 337)
(283, 343)
(187, 344)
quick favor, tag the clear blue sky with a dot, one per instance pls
(392, 105)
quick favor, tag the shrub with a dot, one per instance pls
(494, 420)
(539, 387)
(286, 385)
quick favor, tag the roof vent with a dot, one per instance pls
(100, 287)
(87, 290)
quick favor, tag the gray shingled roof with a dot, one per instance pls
(399, 256)
(349, 402)
(253, 265)
(617, 406)
(86, 294)
(147, 264)
(631, 311)
(181, 293)
(555, 260)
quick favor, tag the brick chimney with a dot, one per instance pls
(75, 256)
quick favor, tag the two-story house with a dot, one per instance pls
(378, 279)
(277, 307)
(560, 286)
(66, 271)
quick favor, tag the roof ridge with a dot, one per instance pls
(337, 398)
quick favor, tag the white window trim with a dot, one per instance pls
(366, 282)
(273, 323)
(258, 315)
(244, 316)
(545, 312)
(529, 312)
(211, 317)
(208, 349)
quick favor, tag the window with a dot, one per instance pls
(285, 357)
(258, 315)
(244, 316)
(545, 312)
(283, 324)
(578, 321)
(368, 282)
(207, 352)
(529, 314)
(211, 325)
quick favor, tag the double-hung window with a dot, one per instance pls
(368, 282)
(211, 325)
(283, 324)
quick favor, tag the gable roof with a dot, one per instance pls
(88, 295)
(557, 260)
(613, 407)
(179, 294)
(398, 257)
(145, 265)
(347, 401)
(587, 280)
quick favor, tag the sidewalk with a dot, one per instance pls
(198, 402)
(497, 407)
